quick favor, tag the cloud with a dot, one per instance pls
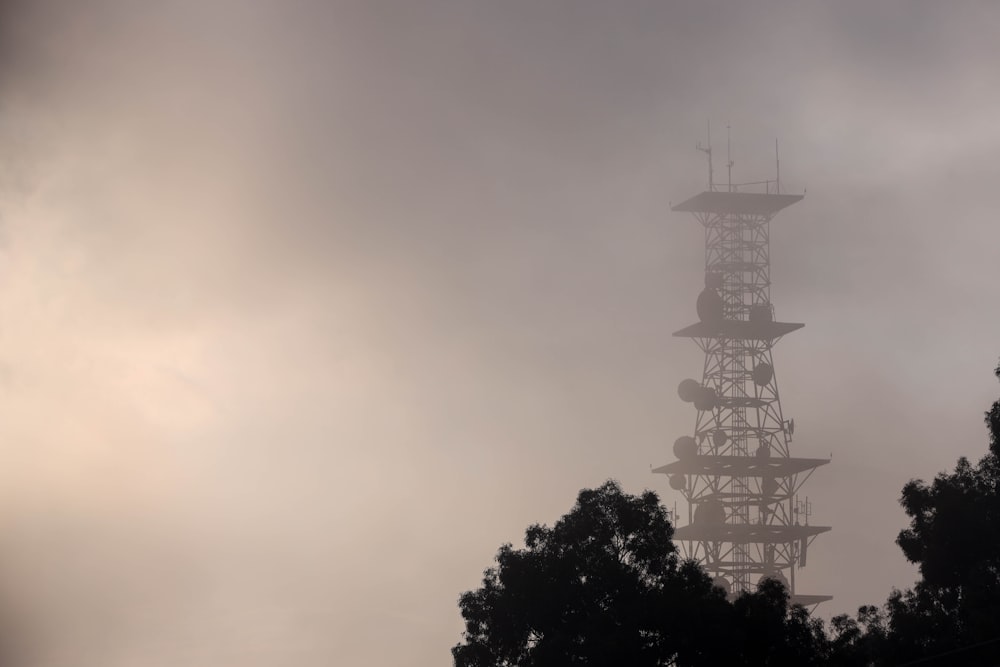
(306, 308)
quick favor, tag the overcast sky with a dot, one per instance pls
(307, 307)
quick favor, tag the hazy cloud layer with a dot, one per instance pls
(307, 307)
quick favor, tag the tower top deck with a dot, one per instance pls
(748, 203)
(746, 520)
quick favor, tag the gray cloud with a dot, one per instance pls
(308, 307)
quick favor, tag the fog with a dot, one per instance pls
(307, 307)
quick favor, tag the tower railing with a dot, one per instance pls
(736, 470)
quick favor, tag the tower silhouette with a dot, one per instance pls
(736, 471)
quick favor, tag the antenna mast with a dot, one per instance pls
(777, 169)
(729, 162)
(737, 467)
(708, 151)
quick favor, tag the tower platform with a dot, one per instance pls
(735, 467)
(739, 330)
(740, 203)
(747, 533)
(743, 466)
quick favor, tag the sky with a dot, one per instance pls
(307, 307)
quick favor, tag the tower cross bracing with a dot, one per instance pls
(736, 470)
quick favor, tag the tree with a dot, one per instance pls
(765, 630)
(952, 614)
(857, 643)
(954, 538)
(605, 586)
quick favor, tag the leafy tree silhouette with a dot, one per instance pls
(605, 586)
(952, 614)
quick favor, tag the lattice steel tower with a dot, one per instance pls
(741, 483)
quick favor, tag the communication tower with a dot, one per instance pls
(736, 471)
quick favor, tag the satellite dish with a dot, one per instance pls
(678, 482)
(685, 447)
(791, 427)
(706, 399)
(762, 374)
(768, 486)
(688, 390)
(761, 313)
(719, 437)
(709, 306)
(723, 583)
(710, 513)
(776, 575)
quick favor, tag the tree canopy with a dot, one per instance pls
(606, 586)
(953, 611)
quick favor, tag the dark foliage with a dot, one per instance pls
(952, 614)
(605, 586)
(857, 642)
(767, 631)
